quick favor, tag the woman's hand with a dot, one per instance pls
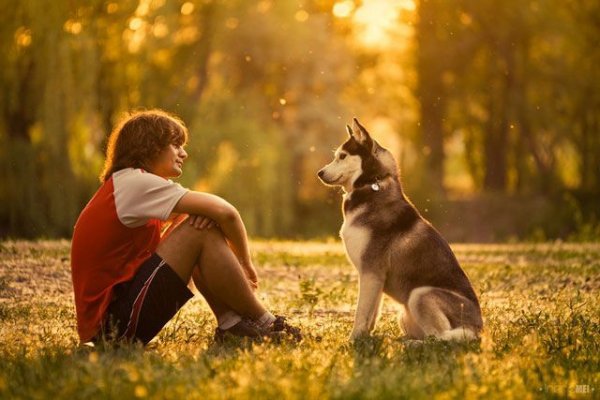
(224, 215)
(201, 222)
(250, 273)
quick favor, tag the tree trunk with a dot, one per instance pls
(495, 149)
(431, 93)
(502, 70)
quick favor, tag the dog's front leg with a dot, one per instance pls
(369, 298)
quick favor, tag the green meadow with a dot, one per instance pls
(541, 339)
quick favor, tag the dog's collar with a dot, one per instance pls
(373, 186)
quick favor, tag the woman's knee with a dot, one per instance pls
(185, 232)
(183, 248)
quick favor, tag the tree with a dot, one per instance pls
(271, 101)
(432, 40)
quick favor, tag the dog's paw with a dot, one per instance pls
(357, 335)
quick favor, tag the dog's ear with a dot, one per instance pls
(349, 130)
(361, 135)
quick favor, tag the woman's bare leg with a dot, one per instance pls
(187, 249)
(217, 306)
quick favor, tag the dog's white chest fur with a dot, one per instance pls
(355, 237)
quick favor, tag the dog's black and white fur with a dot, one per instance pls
(395, 250)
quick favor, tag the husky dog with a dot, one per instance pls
(395, 250)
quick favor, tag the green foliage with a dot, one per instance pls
(310, 294)
(474, 95)
(587, 226)
(509, 79)
(539, 304)
(243, 76)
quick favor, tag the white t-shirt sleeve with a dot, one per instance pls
(141, 196)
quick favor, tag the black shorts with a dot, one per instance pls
(143, 305)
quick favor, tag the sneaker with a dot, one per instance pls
(279, 326)
(246, 328)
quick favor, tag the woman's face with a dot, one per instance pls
(169, 162)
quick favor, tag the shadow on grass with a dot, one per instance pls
(411, 351)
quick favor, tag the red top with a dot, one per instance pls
(114, 234)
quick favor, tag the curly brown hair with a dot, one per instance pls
(139, 137)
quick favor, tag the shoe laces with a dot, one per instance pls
(280, 324)
(251, 323)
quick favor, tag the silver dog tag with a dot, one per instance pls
(375, 187)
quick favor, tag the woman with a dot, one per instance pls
(129, 280)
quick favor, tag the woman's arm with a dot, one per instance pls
(227, 217)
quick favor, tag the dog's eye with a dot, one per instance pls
(342, 156)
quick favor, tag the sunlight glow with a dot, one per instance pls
(135, 24)
(143, 8)
(73, 27)
(112, 8)
(187, 8)
(160, 29)
(264, 6)
(343, 9)
(23, 37)
(375, 18)
(301, 16)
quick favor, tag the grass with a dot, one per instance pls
(541, 340)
